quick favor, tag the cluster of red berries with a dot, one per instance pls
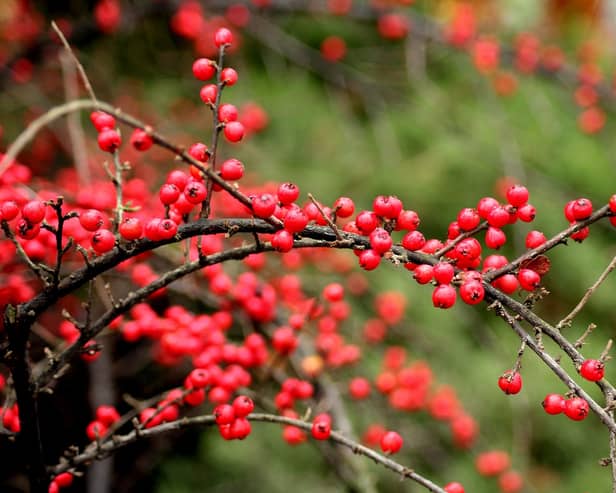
(105, 418)
(231, 418)
(204, 69)
(497, 463)
(109, 139)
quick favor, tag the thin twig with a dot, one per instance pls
(73, 123)
(580, 340)
(80, 68)
(589, 292)
(328, 219)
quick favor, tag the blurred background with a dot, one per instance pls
(437, 102)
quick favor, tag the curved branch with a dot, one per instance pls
(99, 451)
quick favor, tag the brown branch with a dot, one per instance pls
(607, 420)
(94, 452)
(503, 301)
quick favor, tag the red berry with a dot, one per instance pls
(359, 388)
(284, 340)
(529, 279)
(485, 205)
(95, 430)
(366, 221)
(592, 370)
(612, 203)
(380, 240)
(443, 272)
(168, 193)
(510, 382)
(535, 239)
(369, 259)
(510, 482)
(472, 292)
(102, 121)
(91, 220)
(387, 207)
(263, 205)
(240, 428)
(208, 93)
(454, 488)
(517, 195)
(227, 113)
(393, 26)
(195, 192)
(222, 37)
(199, 151)
(468, 219)
(224, 414)
(198, 378)
(107, 415)
(64, 479)
(102, 241)
(407, 220)
(444, 296)
(204, 68)
(498, 217)
(195, 397)
(413, 241)
(228, 76)
(553, 403)
(321, 427)
(232, 170)
(526, 213)
(581, 209)
(576, 408)
(141, 140)
(109, 140)
(580, 235)
(282, 241)
(391, 442)
(508, 283)
(288, 193)
(495, 238)
(243, 406)
(295, 220)
(344, 207)
(293, 435)
(9, 210)
(34, 211)
(131, 228)
(234, 131)
(423, 273)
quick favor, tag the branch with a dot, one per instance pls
(560, 238)
(99, 451)
(503, 301)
